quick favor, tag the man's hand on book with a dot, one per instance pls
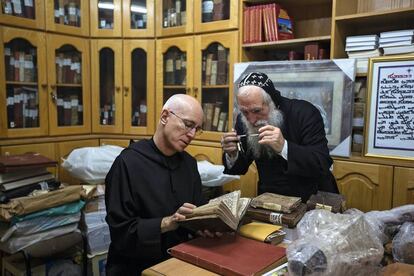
(207, 234)
(170, 223)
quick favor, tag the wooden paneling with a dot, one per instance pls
(365, 186)
(403, 186)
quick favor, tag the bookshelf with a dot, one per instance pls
(369, 183)
(311, 24)
(29, 14)
(106, 18)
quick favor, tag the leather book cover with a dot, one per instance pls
(328, 201)
(276, 202)
(230, 255)
(290, 220)
(263, 232)
(9, 163)
(311, 51)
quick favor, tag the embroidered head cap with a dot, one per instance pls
(261, 80)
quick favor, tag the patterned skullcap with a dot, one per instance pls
(261, 80)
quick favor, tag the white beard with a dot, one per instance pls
(257, 150)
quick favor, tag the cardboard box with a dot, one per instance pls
(97, 265)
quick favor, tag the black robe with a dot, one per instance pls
(307, 169)
(142, 187)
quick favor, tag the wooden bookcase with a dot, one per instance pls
(368, 183)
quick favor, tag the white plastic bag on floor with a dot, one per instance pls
(91, 164)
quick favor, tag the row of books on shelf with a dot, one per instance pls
(363, 47)
(392, 42)
(379, 5)
(108, 114)
(68, 68)
(175, 68)
(20, 65)
(139, 115)
(69, 111)
(22, 8)
(215, 67)
(266, 22)
(67, 12)
(22, 107)
(215, 118)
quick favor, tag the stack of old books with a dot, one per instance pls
(276, 209)
(21, 174)
(37, 215)
(397, 42)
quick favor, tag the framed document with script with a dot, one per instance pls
(389, 131)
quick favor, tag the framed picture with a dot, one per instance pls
(389, 131)
(327, 84)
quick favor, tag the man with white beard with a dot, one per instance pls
(285, 137)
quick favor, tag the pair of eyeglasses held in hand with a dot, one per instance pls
(189, 125)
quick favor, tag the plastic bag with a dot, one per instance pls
(334, 244)
(212, 175)
(388, 222)
(403, 244)
(91, 164)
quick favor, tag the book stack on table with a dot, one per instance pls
(276, 209)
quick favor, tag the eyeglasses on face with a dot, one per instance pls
(189, 125)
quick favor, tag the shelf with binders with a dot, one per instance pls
(68, 79)
(23, 80)
(29, 14)
(284, 27)
(216, 52)
(68, 17)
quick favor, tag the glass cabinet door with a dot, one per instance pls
(174, 67)
(25, 112)
(68, 16)
(27, 13)
(105, 18)
(138, 18)
(172, 17)
(215, 54)
(215, 15)
(106, 86)
(139, 98)
(69, 85)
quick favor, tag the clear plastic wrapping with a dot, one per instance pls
(403, 244)
(335, 244)
(388, 222)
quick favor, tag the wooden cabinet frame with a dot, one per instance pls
(38, 40)
(94, 23)
(54, 42)
(37, 23)
(126, 22)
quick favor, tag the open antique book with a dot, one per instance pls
(221, 214)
